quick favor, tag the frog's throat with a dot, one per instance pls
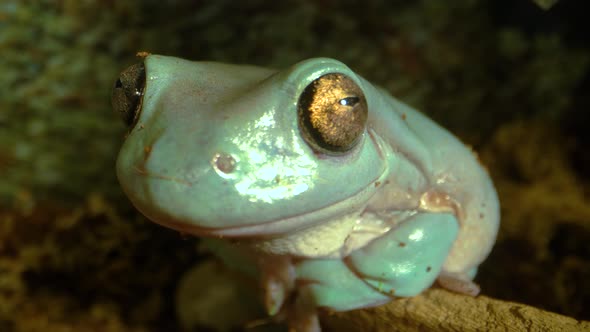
(355, 202)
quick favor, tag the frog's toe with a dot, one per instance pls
(458, 283)
(303, 315)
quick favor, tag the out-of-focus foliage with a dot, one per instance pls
(545, 4)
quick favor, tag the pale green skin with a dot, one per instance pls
(407, 205)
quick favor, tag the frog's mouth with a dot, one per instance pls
(355, 202)
(271, 228)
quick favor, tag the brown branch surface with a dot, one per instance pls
(440, 310)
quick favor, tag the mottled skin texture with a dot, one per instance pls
(216, 152)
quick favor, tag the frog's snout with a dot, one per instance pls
(127, 93)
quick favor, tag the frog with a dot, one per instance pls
(327, 191)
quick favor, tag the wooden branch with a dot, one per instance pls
(441, 310)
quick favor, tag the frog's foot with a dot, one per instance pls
(278, 281)
(199, 307)
(458, 283)
(408, 258)
(286, 302)
(302, 314)
(282, 300)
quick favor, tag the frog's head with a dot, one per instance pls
(228, 150)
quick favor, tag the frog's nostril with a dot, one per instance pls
(128, 92)
(224, 163)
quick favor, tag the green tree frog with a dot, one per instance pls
(321, 186)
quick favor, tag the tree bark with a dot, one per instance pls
(441, 310)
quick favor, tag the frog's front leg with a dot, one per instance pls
(403, 262)
(409, 258)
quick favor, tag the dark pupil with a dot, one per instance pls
(349, 101)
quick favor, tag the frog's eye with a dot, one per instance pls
(332, 113)
(128, 92)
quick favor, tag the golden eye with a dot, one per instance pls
(332, 113)
(128, 92)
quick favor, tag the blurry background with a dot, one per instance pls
(508, 77)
